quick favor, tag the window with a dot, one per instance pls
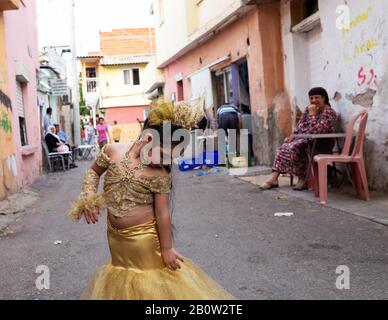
(136, 77)
(228, 86)
(91, 72)
(65, 99)
(23, 131)
(21, 113)
(131, 77)
(220, 88)
(224, 86)
(91, 86)
(180, 94)
(127, 77)
(302, 9)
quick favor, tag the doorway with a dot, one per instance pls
(180, 92)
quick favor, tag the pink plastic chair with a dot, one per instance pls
(356, 159)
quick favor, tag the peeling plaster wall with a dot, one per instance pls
(8, 171)
(355, 72)
(272, 120)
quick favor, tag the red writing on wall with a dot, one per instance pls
(366, 76)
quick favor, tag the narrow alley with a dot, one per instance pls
(225, 225)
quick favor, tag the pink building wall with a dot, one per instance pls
(178, 66)
(124, 115)
(230, 41)
(270, 103)
(22, 45)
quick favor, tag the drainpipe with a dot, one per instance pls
(77, 131)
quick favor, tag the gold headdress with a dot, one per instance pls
(182, 114)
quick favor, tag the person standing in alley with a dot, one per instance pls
(90, 133)
(102, 131)
(48, 121)
(229, 117)
(116, 132)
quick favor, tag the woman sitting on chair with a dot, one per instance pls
(54, 144)
(291, 157)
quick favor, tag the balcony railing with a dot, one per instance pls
(92, 85)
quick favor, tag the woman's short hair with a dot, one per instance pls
(319, 91)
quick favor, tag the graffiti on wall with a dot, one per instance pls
(363, 41)
(5, 124)
(364, 16)
(364, 47)
(366, 77)
(5, 100)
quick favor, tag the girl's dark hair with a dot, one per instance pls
(168, 168)
(160, 130)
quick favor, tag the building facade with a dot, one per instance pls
(230, 52)
(115, 80)
(53, 68)
(8, 170)
(21, 150)
(267, 55)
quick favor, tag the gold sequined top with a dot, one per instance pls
(126, 189)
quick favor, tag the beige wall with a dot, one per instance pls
(119, 94)
(172, 29)
(183, 21)
(212, 11)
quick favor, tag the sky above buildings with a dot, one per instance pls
(92, 16)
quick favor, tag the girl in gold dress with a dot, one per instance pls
(144, 264)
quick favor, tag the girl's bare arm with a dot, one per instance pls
(162, 214)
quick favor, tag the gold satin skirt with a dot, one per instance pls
(136, 271)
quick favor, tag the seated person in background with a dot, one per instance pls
(54, 144)
(291, 157)
(63, 137)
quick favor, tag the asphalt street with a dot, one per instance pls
(225, 225)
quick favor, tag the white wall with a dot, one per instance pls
(211, 10)
(348, 71)
(171, 34)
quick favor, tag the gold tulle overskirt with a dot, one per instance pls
(136, 271)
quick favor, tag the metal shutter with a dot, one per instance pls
(20, 100)
(315, 57)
